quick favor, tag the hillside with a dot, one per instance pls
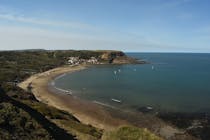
(18, 65)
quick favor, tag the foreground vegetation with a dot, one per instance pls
(23, 117)
(130, 133)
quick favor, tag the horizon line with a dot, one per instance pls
(102, 50)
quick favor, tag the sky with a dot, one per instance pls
(127, 25)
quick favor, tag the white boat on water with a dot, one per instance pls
(149, 108)
(115, 100)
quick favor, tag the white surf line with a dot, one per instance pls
(69, 92)
(60, 76)
(63, 90)
(52, 83)
(120, 109)
(103, 104)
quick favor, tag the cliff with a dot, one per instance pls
(118, 57)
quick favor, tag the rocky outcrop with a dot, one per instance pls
(118, 57)
(111, 55)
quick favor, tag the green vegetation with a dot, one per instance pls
(130, 133)
(18, 65)
(20, 121)
(15, 123)
(62, 119)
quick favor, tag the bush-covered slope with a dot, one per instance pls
(15, 123)
(20, 109)
(130, 133)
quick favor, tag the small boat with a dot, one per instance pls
(115, 100)
(119, 70)
(134, 69)
(149, 108)
(153, 67)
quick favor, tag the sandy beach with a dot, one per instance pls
(86, 112)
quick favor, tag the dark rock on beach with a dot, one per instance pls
(196, 124)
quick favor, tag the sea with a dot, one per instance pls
(172, 82)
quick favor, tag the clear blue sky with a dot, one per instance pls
(128, 25)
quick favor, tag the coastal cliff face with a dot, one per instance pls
(118, 57)
(111, 55)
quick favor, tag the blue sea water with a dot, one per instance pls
(175, 82)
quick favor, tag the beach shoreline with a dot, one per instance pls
(87, 112)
